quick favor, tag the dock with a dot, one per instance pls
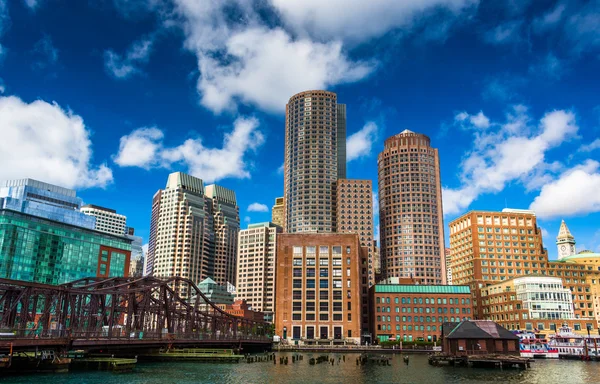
(194, 354)
(481, 361)
(103, 364)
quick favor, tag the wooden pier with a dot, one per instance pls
(481, 361)
(194, 354)
(103, 364)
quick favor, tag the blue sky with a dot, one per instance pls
(110, 96)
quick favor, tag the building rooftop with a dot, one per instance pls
(477, 329)
(398, 288)
(100, 208)
(563, 232)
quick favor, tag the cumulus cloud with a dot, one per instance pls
(479, 120)
(31, 3)
(591, 146)
(550, 18)
(360, 143)
(508, 32)
(331, 19)
(144, 148)
(45, 142)
(514, 151)
(126, 65)
(574, 193)
(258, 207)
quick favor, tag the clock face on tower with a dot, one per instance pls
(563, 248)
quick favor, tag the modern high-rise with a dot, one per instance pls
(256, 265)
(354, 203)
(193, 231)
(313, 161)
(277, 212)
(226, 222)
(410, 209)
(136, 266)
(107, 220)
(447, 254)
(45, 200)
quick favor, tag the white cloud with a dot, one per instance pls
(591, 146)
(360, 143)
(127, 65)
(504, 33)
(42, 141)
(581, 27)
(258, 207)
(515, 151)
(247, 219)
(31, 3)
(144, 148)
(45, 52)
(575, 192)
(139, 148)
(281, 169)
(479, 120)
(358, 20)
(2, 86)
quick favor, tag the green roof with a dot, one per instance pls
(397, 288)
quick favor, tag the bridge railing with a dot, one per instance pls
(121, 334)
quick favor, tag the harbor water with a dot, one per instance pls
(301, 372)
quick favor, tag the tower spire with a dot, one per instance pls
(565, 241)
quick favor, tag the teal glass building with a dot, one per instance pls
(45, 251)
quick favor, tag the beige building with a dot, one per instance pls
(319, 285)
(410, 209)
(315, 135)
(256, 266)
(191, 233)
(354, 203)
(107, 220)
(277, 212)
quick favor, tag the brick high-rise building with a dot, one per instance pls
(354, 203)
(410, 209)
(319, 287)
(256, 266)
(277, 212)
(314, 160)
(193, 235)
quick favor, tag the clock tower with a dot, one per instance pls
(565, 241)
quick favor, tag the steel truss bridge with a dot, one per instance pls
(119, 313)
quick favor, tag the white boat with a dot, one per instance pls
(571, 345)
(533, 346)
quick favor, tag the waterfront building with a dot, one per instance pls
(44, 200)
(40, 250)
(490, 247)
(277, 212)
(226, 226)
(410, 209)
(314, 160)
(470, 337)
(256, 266)
(416, 312)
(319, 286)
(354, 203)
(532, 303)
(241, 308)
(107, 220)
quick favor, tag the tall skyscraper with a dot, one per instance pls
(107, 220)
(45, 200)
(410, 209)
(312, 162)
(256, 266)
(277, 212)
(226, 222)
(193, 231)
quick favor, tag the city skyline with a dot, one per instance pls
(520, 132)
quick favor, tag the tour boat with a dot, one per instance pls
(530, 345)
(572, 345)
